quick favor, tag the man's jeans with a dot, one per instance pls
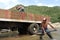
(47, 32)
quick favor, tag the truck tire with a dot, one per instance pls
(33, 29)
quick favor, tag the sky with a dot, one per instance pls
(7, 4)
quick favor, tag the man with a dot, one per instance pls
(20, 8)
(21, 11)
(45, 29)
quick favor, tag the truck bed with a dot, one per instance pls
(6, 15)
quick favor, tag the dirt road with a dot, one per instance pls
(56, 35)
(14, 36)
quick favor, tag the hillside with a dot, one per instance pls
(53, 12)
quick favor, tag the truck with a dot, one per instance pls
(22, 22)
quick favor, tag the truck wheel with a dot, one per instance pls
(33, 29)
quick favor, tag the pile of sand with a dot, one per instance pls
(56, 24)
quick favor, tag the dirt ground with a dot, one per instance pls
(14, 35)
